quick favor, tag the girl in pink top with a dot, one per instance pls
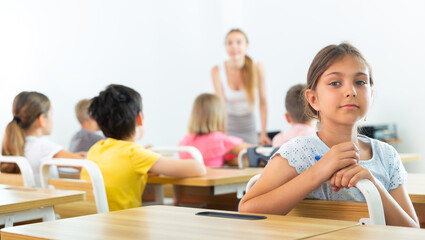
(207, 128)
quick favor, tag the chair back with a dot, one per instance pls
(256, 156)
(95, 188)
(26, 177)
(339, 209)
(194, 152)
(154, 193)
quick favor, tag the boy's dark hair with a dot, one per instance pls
(295, 104)
(115, 111)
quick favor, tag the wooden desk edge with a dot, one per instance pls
(74, 197)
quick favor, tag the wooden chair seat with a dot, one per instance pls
(339, 210)
(12, 179)
(75, 209)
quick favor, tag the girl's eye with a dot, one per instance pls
(335, 84)
(360, 83)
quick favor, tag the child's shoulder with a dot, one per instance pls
(39, 142)
(122, 146)
(212, 136)
(302, 141)
(302, 145)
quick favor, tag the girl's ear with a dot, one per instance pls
(42, 120)
(288, 118)
(139, 119)
(312, 99)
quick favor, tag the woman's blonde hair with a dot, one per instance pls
(208, 115)
(27, 107)
(249, 72)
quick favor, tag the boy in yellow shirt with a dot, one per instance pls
(124, 163)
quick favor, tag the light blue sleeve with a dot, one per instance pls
(294, 152)
(397, 173)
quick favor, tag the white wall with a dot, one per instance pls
(165, 49)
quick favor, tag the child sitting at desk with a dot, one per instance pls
(339, 93)
(124, 163)
(207, 128)
(86, 137)
(32, 119)
(301, 123)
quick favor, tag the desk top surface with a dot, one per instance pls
(167, 222)
(14, 199)
(374, 232)
(409, 157)
(415, 185)
(214, 177)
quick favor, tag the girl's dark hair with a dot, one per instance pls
(27, 107)
(323, 60)
(115, 111)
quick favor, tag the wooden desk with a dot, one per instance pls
(373, 232)
(22, 204)
(409, 157)
(167, 222)
(221, 180)
(415, 185)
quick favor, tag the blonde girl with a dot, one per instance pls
(339, 93)
(207, 132)
(32, 119)
(236, 82)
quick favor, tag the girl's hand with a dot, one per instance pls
(264, 139)
(349, 176)
(337, 158)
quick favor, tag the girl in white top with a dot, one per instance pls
(235, 82)
(339, 93)
(32, 119)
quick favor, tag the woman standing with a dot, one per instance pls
(235, 82)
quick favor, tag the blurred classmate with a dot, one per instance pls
(32, 119)
(124, 163)
(86, 137)
(301, 124)
(207, 132)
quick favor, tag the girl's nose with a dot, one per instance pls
(351, 92)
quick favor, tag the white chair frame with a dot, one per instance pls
(370, 193)
(196, 154)
(261, 150)
(93, 170)
(24, 167)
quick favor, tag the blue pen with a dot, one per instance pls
(318, 157)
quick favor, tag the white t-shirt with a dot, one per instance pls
(237, 102)
(37, 150)
(385, 165)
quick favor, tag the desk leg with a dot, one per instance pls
(159, 192)
(45, 213)
(48, 213)
(153, 195)
(8, 222)
(239, 188)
